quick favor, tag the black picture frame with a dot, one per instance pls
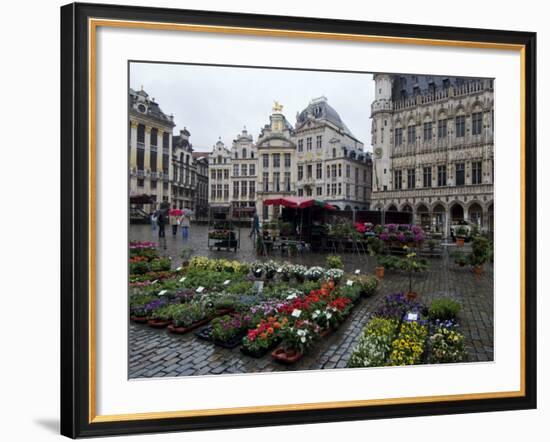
(75, 220)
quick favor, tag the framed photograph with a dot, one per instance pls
(273, 220)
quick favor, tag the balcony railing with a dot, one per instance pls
(140, 173)
(153, 148)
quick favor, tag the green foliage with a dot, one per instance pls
(190, 313)
(460, 257)
(334, 262)
(389, 262)
(240, 288)
(161, 264)
(443, 309)
(447, 346)
(352, 292)
(375, 344)
(481, 251)
(461, 232)
(375, 246)
(367, 283)
(139, 268)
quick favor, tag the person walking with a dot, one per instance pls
(255, 225)
(184, 223)
(154, 216)
(160, 223)
(174, 219)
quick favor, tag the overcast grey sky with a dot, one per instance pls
(213, 101)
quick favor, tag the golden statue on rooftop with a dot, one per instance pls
(277, 107)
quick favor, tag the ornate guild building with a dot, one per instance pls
(433, 149)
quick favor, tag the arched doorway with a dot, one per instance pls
(407, 208)
(423, 217)
(392, 208)
(475, 215)
(439, 219)
(347, 208)
(457, 213)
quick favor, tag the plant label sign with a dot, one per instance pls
(349, 282)
(162, 292)
(200, 289)
(183, 279)
(178, 269)
(296, 313)
(412, 317)
(155, 281)
(357, 271)
(226, 282)
(258, 287)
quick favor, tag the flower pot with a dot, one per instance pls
(326, 332)
(412, 295)
(379, 272)
(224, 311)
(460, 242)
(183, 330)
(139, 319)
(286, 357)
(158, 323)
(478, 270)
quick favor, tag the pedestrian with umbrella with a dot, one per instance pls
(174, 216)
(185, 222)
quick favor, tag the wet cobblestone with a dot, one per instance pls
(154, 353)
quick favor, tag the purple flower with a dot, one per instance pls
(419, 237)
(392, 227)
(401, 237)
(384, 236)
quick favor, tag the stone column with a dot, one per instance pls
(147, 160)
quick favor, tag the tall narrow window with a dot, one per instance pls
(459, 174)
(476, 172)
(397, 177)
(441, 176)
(308, 141)
(287, 160)
(277, 160)
(411, 134)
(460, 126)
(427, 180)
(300, 145)
(310, 171)
(300, 172)
(319, 141)
(287, 181)
(428, 132)
(411, 178)
(277, 181)
(477, 121)
(266, 181)
(442, 128)
(265, 158)
(399, 137)
(235, 189)
(319, 169)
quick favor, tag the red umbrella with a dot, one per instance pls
(175, 212)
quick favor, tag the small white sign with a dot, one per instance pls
(200, 289)
(279, 270)
(357, 271)
(296, 313)
(226, 282)
(412, 317)
(258, 287)
(349, 282)
(155, 281)
(178, 269)
(162, 292)
(183, 279)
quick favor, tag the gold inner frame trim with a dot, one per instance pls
(93, 24)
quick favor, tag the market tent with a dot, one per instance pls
(296, 202)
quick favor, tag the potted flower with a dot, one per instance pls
(227, 331)
(460, 258)
(334, 262)
(186, 253)
(257, 269)
(375, 247)
(258, 341)
(189, 317)
(296, 339)
(461, 233)
(299, 272)
(480, 253)
(334, 275)
(367, 283)
(315, 273)
(410, 264)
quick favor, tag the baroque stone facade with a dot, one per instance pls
(162, 166)
(433, 149)
(318, 158)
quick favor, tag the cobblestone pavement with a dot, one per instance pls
(157, 353)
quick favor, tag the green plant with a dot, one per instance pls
(389, 262)
(375, 344)
(481, 251)
(352, 292)
(408, 347)
(139, 268)
(334, 262)
(431, 244)
(459, 257)
(444, 309)
(411, 265)
(375, 246)
(161, 264)
(447, 346)
(190, 313)
(186, 253)
(240, 287)
(300, 336)
(367, 283)
(461, 232)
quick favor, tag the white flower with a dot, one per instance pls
(303, 340)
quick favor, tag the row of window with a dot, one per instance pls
(244, 170)
(153, 137)
(243, 154)
(460, 129)
(276, 185)
(309, 141)
(219, 174)
(276, 160)
(441, 176)
(240, 189)
(153, 184)
(333, 189)
(332, 170)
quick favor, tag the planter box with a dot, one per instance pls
(158, 323)
(183, 330)
(279, 354)
(139, 319)
(256, 354)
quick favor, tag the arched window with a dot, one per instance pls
(244, 153)
(141, 133)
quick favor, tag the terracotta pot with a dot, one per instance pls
(183, 330)
(139, 319)
(158, 323)
(379, 272)
(325, 332)
(478, 270)
(285, 357)
(460, 242)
